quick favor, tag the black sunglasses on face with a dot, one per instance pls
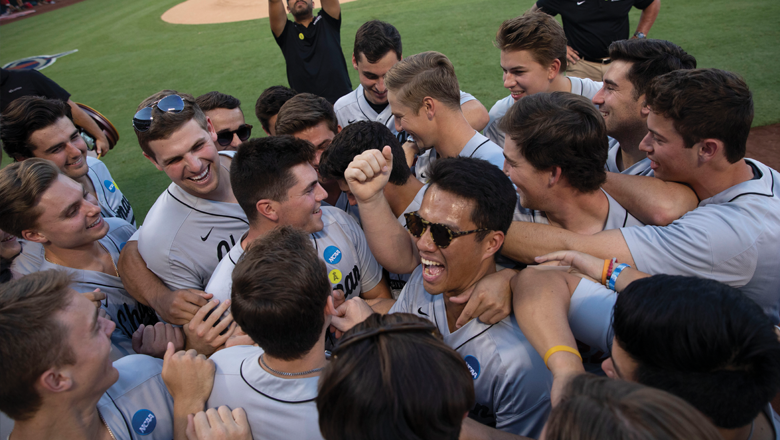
(225, 137)
(442, 234)
(170, 104)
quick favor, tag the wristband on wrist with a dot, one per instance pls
(615, 273)
(558, 348)
(607, 270)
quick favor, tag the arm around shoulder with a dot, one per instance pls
(649, 199)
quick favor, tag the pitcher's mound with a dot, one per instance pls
(218, 11)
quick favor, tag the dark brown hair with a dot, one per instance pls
(560, 129)
(305, 110)
(166, 123)
(211, 100)
(599, 408)
(536, 32)
(649, 58)
(270, 102)
(705, 103)
(396, 379)
(280, 288)
(32, 340)
(23, 117)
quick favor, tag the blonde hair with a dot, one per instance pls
(427, 74)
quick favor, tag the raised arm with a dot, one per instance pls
(526, 240)
(83, 120)
(648, 16)
(390, 243)
(175, 307)
(476, 114)
(651, 200)
(277, 16)
(333, 8)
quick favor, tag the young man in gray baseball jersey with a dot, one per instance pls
(37, 127)
(276, 185)
(377, 49)
(43, 206)
(555, 150)
(279, 298)
(194, 222)
(458, 231)
(224, 112)
(698, 126)
(533, 58)
(727, 366)
(423, 94)
(55, 366)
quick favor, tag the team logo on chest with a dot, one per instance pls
(332, 255)
(144, 422)
(473, 365)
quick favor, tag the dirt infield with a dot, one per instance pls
(41, 8)
(764, 145)
(218, 11)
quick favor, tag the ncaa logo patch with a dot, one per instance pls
(473, 365)
(109, 185)
(37, 62)
(332, 255)
(144, 422)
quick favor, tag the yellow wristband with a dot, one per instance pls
(558, 348)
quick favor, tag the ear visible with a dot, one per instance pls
(33, 235)
(338, 129)
(554, 69)
(56, 380)
(18, 157)
(556, 173)
(493, 243)
(709, 148)
(154, 162)
(645, 110)
(429, 106)
(267, 208)
(210, 129)
(354, 62)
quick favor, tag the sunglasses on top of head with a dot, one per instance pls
(442, 234)
(225, 137)
(142, 120)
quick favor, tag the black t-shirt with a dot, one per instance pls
(315, 62)
(592, 25)
(17, 83)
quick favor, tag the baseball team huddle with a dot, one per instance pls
(590, 259)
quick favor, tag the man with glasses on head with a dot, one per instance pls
(195, 221)
(457, 232)
(224, 112)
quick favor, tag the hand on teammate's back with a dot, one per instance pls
(180, 306)
(189, 376)
(152, 340)
(219, 424)
(206, 335)
(490, 299)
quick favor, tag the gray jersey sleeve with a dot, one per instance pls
(590, 314)
(370, 270)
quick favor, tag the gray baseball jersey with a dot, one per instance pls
(184, 237)
(617, 217)
(343, 204)
(590, 315)
(276, 408)
(579, 86)
(341, 244)
(511, 383)
(478, 147)
(138, 406)
(123, 309)
(641, 168)
(354, 107)
(732, 237)
(112, 202)
(30, 259)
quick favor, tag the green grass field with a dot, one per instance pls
(126, 53)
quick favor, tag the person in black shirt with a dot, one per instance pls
(311, 47)
(592, 25)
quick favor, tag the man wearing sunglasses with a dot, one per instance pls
(195, 221)
(457, 232)
(224, 112)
